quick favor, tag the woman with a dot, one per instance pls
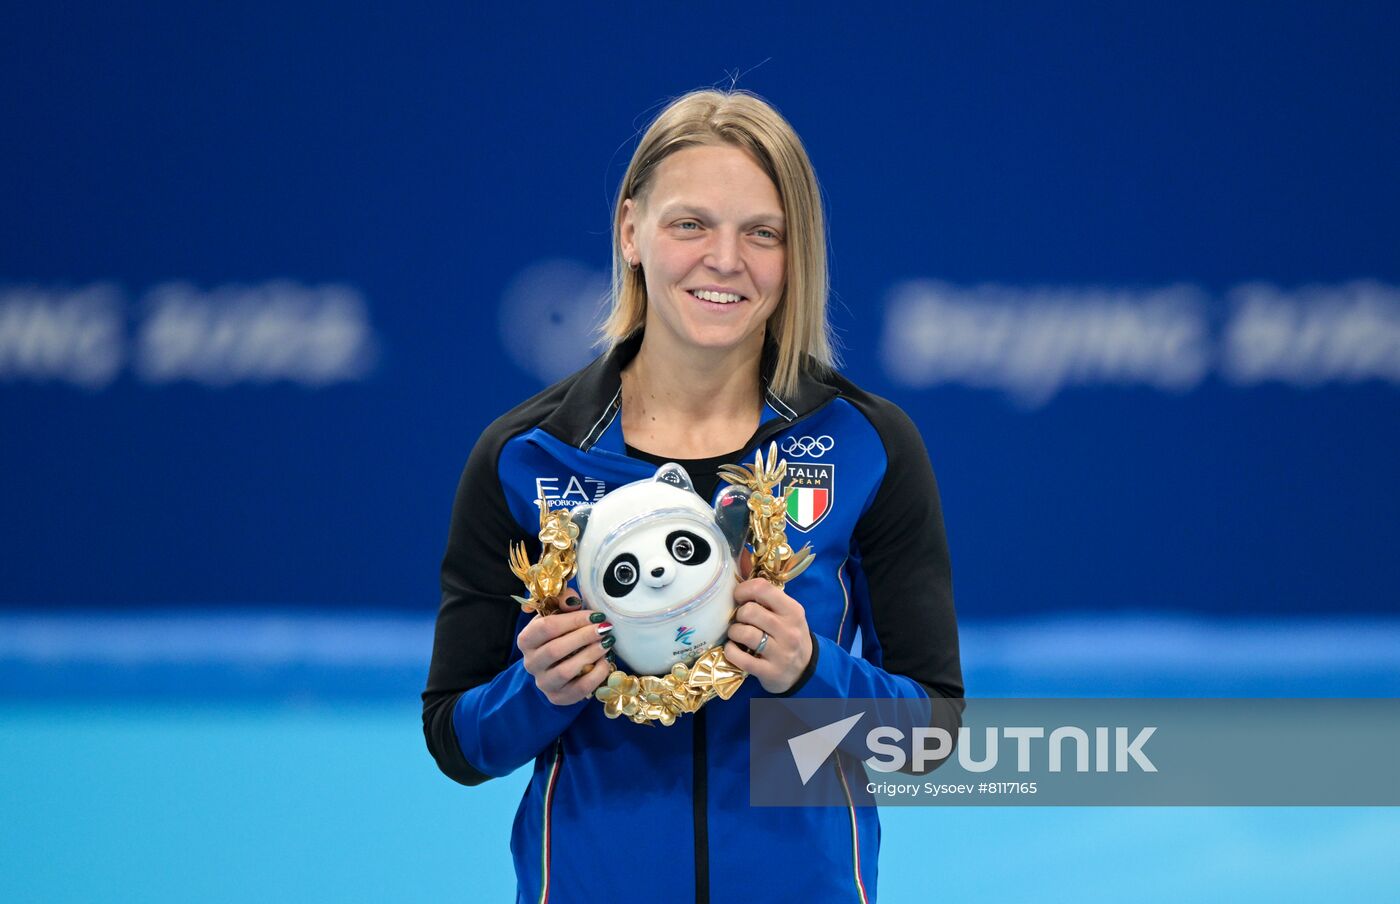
(718, 345)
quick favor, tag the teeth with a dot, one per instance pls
(717, 297)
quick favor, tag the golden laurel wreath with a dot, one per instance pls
(648, 699)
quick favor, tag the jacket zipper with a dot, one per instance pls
(700, 796)
(700, 774)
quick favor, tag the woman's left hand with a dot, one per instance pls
(766, 609)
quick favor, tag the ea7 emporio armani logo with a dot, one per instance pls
(570, 491)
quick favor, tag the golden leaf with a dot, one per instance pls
(713, 672)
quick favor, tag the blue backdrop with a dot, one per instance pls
(265, 271)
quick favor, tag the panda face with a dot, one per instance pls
(659, 563)
(683, 548)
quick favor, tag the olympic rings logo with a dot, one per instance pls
(815, 446)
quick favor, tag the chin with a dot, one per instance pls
(721, 343)
(722, 336)
(709, 336)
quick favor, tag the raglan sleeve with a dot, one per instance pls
(483, 716)
(903, 553)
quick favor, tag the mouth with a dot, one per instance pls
(716, 298)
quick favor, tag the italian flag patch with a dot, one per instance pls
(813, 488)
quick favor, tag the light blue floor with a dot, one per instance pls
(218, 791)
(225, 804)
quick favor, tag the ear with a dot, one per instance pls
(627, 233)
(675, 475)
(579, 516)
(732, 516)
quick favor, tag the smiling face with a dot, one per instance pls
(709, 234)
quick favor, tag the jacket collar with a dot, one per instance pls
(594, 397)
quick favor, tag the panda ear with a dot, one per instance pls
(675, 475)
(579, 516)
(732, 516)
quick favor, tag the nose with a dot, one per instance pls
(657, 574)
(725, 254)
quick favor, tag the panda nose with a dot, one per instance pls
(657, 573)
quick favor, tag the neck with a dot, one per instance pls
(690, 402)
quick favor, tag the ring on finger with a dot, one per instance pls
(762, 645)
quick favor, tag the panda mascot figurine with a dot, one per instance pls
(662, 564)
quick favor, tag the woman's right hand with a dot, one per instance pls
(567, 653)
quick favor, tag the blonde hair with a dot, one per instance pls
(740, 119)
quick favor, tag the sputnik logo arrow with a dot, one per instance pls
(810, 750)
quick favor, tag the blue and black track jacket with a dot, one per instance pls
(607, 792)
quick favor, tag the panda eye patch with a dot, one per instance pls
(620, 576)
(687, 548)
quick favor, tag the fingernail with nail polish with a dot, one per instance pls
(608, 642)
(604, 628)
(596, 617)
